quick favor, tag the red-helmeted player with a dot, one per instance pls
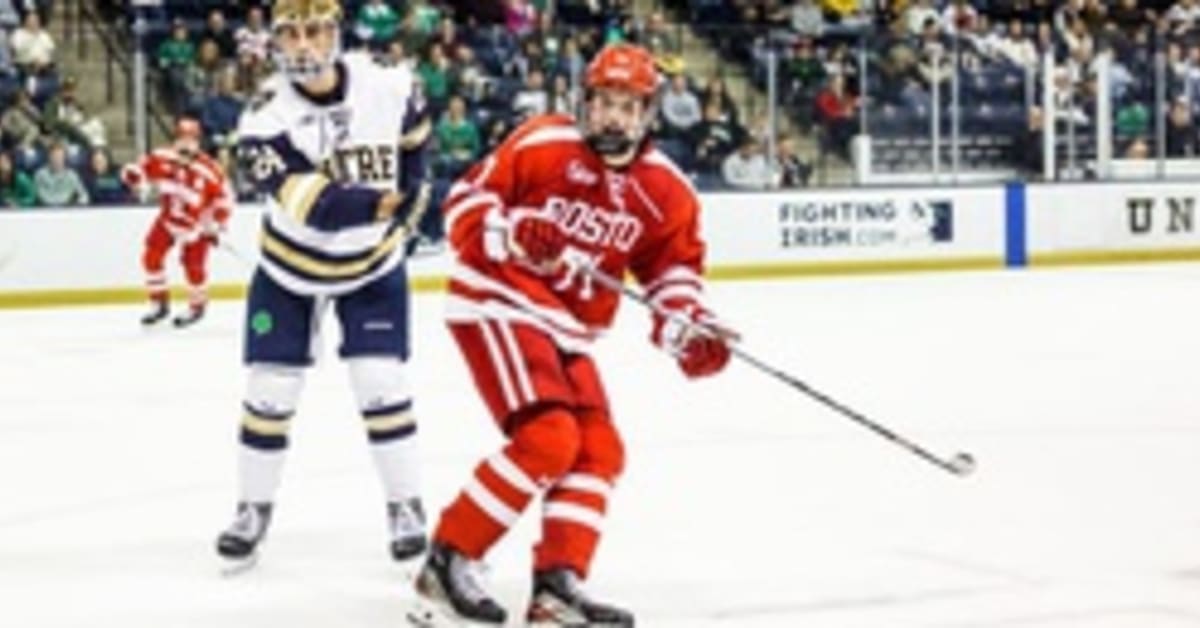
(194, 202)
(556, 198)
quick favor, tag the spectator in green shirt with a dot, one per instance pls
(457, 138)
(377, 23)
(435, 74)
(16, 190)
(177, 50)
(176, 57)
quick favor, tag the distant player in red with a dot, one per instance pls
(560, 196)
(195, 202)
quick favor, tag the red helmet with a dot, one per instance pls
(623, 66)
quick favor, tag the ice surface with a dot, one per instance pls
(745, 504)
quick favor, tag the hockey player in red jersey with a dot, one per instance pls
(555, 199)
(194, 205)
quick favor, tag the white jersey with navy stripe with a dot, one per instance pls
(323, 162)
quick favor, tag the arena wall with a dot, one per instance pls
(86, 256)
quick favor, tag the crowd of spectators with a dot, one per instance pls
(50, 144)
(913, 48)
(483, 72)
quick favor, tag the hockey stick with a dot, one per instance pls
(961, 464)
(235, 252)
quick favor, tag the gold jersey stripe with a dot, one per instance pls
(330, 270)
(299, 193)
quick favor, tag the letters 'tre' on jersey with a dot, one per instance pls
(643, 218)
(322, 163)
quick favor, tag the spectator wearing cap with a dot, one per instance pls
(65, 117)
(16, 189)
(57, 185)
(32, 45)
(376, 23)
(103, 181)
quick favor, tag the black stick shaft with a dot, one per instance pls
(615, 284)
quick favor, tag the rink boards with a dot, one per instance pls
(92, 255)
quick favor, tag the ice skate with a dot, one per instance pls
(406, 524)
(237, 545)
(189, 318)
(159, 310)
(558, 600)
(449, 594)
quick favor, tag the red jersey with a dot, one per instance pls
(193, 194)
(642, 218)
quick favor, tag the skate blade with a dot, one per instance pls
(233, 567)
(428, 614)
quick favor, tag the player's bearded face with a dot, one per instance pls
(616, 122)
(306, 50)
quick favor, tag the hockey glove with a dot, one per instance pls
(537, 240)
(700, 345)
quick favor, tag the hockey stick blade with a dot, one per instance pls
(961, 464)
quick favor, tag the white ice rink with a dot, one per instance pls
(744, 505)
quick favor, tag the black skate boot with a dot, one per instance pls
(159, 310)
(238, 542)
(449, 593)
(558, 600)
(189, 318)
(406, 523)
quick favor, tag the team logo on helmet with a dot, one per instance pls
(623, 66)
(297, 16)
(294, 11)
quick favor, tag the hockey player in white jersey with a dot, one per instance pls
(335, 142)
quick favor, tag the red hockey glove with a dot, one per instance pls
(537, 239)
(700, 345)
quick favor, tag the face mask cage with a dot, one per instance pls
(302, 68)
